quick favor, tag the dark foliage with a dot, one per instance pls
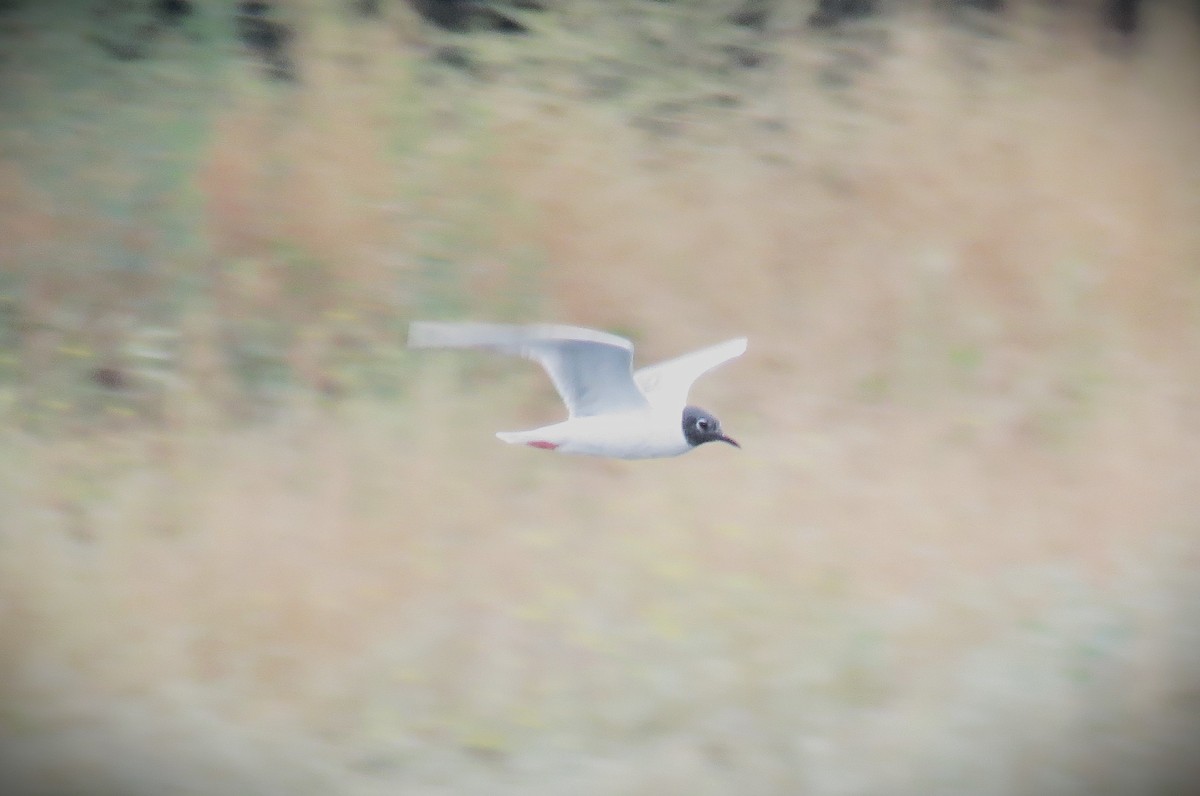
(172, 11)
(462, 16)
(1123, 16)
(830, 12)
(268, 37)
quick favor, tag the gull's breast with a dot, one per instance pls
(628, 435)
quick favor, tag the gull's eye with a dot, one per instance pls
(702, 424)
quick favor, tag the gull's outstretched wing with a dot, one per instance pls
(591, 370)
(666, 384)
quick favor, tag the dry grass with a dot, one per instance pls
(959, 551)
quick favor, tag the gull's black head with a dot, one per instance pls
(700, 427)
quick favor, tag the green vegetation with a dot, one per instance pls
(250, 544)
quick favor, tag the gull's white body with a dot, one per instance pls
(613, 411)
(627, 435)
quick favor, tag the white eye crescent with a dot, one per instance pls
(702, 424)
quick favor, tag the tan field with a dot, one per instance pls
(251, 545)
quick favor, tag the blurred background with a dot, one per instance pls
(250, 544)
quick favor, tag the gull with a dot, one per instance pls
(612, 410)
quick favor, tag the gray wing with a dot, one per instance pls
(592, 371)
(666, 385)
